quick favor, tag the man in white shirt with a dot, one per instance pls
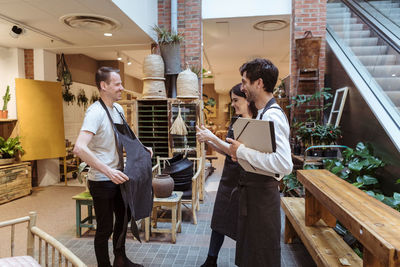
(96, 146)
(258, 242)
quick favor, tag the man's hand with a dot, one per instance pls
(117, 177)
(150, 151)
(234, 145)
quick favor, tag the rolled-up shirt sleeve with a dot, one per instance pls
(279, 162)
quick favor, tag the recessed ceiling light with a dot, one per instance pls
(394, 74)
(119, 57)
(129, 62)
(107, 34)
(271, 25)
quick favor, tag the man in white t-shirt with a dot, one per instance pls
(96, 146)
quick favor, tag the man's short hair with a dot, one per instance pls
(261, 68)
(103, 75)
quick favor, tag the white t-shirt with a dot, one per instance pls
(279, 162)
(103, 142)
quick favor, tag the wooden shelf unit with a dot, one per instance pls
(15, 181)
(152, 125)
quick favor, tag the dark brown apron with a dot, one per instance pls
(137, 192)
(259, 224)
(226, 207)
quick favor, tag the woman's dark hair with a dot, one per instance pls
(236, 91)
(261, 68)
(103, 75)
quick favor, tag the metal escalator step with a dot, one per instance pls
(361, 41)
(384, 71)
(369, 50)
(348, 27)
(354, 34)
(378, 60)
(395, 97)
(337, 10)
(341, 21)
(389, 83)
(338, 15)
(334, 5)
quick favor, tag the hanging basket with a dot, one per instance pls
(187, 84)
(172, 57)
(153, 66)
(307, 51)
(154, 87)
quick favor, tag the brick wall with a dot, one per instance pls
(307, 15)
(189, 23)
(28, 56)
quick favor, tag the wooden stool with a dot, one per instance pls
(83, 198)
(174, 204)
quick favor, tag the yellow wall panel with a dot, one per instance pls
(40, 118)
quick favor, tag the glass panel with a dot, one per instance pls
(374, 59)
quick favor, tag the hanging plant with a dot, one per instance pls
(82, 99)
(68, 96)
(94, 98)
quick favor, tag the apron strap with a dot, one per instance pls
(118, 144)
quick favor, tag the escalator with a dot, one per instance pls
(364, 36)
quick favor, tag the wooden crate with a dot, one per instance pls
(15, 181)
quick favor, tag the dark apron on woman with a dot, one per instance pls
(137, 192)
(259, 225)
(226, 207)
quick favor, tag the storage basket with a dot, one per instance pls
(153, 66)
(187, 84)
(307, 51)
(154, 87)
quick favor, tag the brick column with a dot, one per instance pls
(28, 56)
(307, 15)
(189, 23)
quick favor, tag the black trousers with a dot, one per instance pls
(107, 201)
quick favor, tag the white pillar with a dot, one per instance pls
(45, 69)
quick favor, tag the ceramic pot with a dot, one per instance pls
(163, 185)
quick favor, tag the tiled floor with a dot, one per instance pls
(192, 244)
(56, 215)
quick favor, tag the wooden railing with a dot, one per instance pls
(60, 255)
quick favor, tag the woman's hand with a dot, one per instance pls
(203, 134)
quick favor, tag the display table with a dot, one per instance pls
(172, 203)
(84, 198)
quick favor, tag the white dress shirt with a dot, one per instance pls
(279, 162)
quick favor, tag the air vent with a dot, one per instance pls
(271, 25)
(90, 22)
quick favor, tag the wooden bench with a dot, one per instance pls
(326, 247)
(374, 224)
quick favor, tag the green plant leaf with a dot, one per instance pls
(389, 201)
(379, 197)
(355, 166)
(398, 181)
(358, 184)
(368, 180)
(396, 196)
(371, 193)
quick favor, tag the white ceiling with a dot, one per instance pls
(228, 42)
(44, 15)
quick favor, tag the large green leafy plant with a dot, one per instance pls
(359, 167)
(10, 147)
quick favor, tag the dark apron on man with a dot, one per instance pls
(259, 225)
(137, 191)
(226, 207)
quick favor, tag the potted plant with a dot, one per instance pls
(169, 43)
(6, 99)
(68, 96)
(82, 99)
(9, 149)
